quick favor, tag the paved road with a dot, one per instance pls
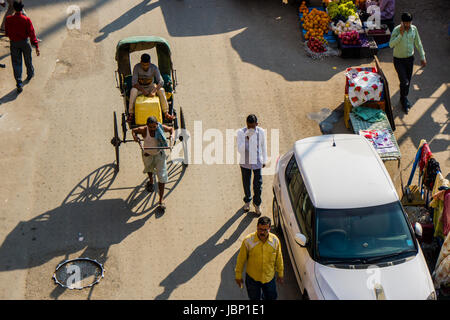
(232, 58)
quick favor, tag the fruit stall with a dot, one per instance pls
(340, 27)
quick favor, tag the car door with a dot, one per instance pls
(290, 199)
(304, 213)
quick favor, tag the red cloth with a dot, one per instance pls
(19, 27)
(446, 213)
(424, 156)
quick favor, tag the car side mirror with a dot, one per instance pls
(300, 239)
(418, 229)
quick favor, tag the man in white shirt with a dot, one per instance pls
(251, 141)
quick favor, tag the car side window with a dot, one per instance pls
(294, 181)
(307, 214)
(289, 171)
(303, 214)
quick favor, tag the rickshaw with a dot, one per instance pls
(123, 76)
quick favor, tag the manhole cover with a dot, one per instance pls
(78, 273)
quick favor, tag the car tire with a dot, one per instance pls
(276, 216)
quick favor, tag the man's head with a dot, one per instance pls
(406, 20)
(18, 5)
(145, 61)
(152, 123)
(252, 121)
(263, 228)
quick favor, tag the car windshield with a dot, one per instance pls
(363, 235)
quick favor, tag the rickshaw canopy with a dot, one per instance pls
(139, 43)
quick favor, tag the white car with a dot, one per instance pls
(345, 229)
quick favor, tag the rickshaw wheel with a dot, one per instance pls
(116, 142)
(124, 127)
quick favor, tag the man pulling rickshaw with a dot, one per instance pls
(155, 119)
(153, 156)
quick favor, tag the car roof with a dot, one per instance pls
(348, 175)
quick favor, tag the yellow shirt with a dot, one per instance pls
(263, 259)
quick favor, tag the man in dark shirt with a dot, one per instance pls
(18, 29)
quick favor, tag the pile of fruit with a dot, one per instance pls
(303, 8)
(316, 24)
(352, 24)
(316, 45)
(350, 38)
(341, 10)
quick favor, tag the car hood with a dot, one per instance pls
(409, 280)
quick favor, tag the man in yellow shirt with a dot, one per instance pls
(262, 252)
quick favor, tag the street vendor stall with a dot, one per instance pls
(428, 203)
(341, 24)
(368, 110)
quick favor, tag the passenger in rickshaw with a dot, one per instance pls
(142, 82)
(154, 159)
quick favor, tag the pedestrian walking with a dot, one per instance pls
(19, 29)
(403, 39)
(261, 251)
(8, 12)
(252, 148)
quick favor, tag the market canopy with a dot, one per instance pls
(140, 43)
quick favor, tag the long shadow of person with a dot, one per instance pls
(228, 289)
(10, 96)
(203, 254)
(128, 17)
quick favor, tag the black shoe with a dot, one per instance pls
(404, 102)
(407, 103)
(19, 89)
(406, 109)
(29, 77)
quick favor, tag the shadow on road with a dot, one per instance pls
(84, 221)
(140, 202)
(269, 36)
(203, 254)
(10, 96)
(228, 289)
(127, 18)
